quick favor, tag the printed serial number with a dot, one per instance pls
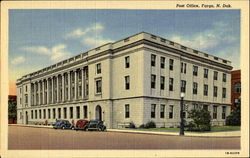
(236, 152)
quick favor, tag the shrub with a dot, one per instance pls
(150, 124)
(234, 118)
(201, 120)
(142, 126)
(131, 125)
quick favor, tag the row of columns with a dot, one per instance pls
(67, 86)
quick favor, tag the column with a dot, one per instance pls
(47, 90)
(75, 84)
(69, 86)
(39, 99)
(52, 89)
(35, 93)
(83, 81)
(63, 87)
(43, 85)
(57, 87)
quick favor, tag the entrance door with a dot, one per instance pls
(98, 113)
(26, 117)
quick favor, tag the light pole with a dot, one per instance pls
(181, 114)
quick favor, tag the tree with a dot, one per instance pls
(201, 120)
(12, 109)
(234, 119)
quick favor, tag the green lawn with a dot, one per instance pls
(214, 128)
(225, 128)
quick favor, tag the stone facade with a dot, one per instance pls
(136, 79)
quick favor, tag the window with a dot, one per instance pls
(59, 113)
(183, 86)
(127, 82)
(78, 112)
(196, 106)
(26, 98)
(237, 87)
(153, 106)
(171, 64)
(162, 82)
(85, 111)
(162, 111)
(35, 114)
(171, 111)
(127, 111)
(171, 84)
(127, 62)
(183, 67)
(71, 112)
(98, 86)
(153, 58)
(205, 107)
(205, 90)
(32, 114)
(48, 113)
(214, 112)
(98, 68)
(195, 87)
(44, 113)
(40, 114)
(224, 78)
(54, 113)
(65, 112)
(224, 92)
(224, 112)
(205, 73)
(215, 75)
(153, 80)
(195, 70)
(215, 91)
(162, 62)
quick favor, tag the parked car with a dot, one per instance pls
(96, 125)
(81, 125)
(63, 124)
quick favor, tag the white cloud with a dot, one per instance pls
(220, 32)
(18, 60)
(232, 54)
(55, 53)
(94, 42)
(77, 33)
(198, 41)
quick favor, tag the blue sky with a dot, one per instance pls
(39, 38)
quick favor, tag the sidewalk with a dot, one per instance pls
(157, 132)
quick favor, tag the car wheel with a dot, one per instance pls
(63, 127)
(73, 128)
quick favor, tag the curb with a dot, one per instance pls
(172, 134)
(144, 132)
(34, 126)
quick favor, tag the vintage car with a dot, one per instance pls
(81, 125)
(96, 125)
(63, 124)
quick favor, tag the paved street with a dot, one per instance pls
(46, 138)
